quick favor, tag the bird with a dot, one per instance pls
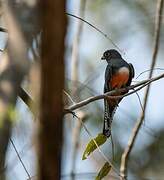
(118, 74)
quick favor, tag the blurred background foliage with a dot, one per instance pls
(130, 24)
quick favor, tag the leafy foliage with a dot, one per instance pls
(91, 146)
(103, 171)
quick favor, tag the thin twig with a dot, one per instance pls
(139, 99)
(148, 130)
(91, 137)
(21, 161)
(69, 96)
(109, 94)
(125, 156)
(97, 29)
(15, 161)
(76, 141)
(161, 69)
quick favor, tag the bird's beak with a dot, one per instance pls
(102, 58)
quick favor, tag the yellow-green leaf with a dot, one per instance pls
(103, 171)
(91, 146)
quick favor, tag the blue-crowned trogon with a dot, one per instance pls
(118, 74)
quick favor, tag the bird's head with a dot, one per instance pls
(110, 54)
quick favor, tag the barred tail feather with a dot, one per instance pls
(107, 126)
(108, 118)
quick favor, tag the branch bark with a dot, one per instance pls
(110, 94)
(128, 149)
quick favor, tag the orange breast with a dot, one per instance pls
(117, 81)
(120, 79)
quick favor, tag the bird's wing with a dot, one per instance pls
(108, 75)
(107, 114)
(132, 74)
(132, 70)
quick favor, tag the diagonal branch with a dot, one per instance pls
(97, 29)
(99, 149)
(20, 159)
(141, 85)
(28, 100)
(125, 156)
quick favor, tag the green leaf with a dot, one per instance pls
(103, 171)
(10, 113)
(91, 146)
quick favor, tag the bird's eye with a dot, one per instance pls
(107, 54)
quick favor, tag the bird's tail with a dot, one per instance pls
(108, 118)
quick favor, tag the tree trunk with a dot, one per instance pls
(53, 22)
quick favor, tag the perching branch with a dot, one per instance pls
(141, 85)
(28, 100)
(125, 156)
